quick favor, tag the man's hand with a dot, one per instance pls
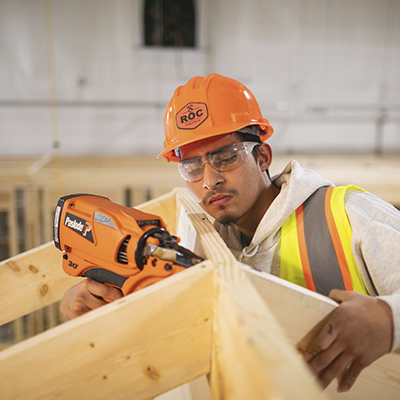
(357, 333)
(86, 296)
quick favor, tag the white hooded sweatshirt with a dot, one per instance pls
(375, 240)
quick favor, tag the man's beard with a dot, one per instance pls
(228, 219)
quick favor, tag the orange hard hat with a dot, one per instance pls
(209, 106)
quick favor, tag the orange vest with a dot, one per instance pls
(316, 244)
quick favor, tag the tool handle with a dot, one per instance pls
(105, 276)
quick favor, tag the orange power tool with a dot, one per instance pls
(116, 245)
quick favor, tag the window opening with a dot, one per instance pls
(169, 23)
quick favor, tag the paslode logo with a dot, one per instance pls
(74, 224)
(191, 116)
(79, 225)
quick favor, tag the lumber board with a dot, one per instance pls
(139, 346)
(298, 309)
(8, 204)
(251, 356)
(299, 312)
(197, 389)
(165, 207)
(13, 224)
(32, 280)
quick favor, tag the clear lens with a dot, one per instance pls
(225, 159)
(228, 157)
(191, 170)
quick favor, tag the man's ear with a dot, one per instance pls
(265, 156)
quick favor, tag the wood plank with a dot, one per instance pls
(301, 313)
(48, 215)
(13, 224)
(5, 198)
(251, 356)
(197, 389)
(32, 280)
(141, 345)
(32, 217)
(165, 207)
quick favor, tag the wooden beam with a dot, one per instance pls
(13, 224)
(32, 280)
(139, 346)
(301, 314)
(165, 207)
(298, 311)
(251, 356)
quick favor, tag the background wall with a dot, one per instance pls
(326, 73)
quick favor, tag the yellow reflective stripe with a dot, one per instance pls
(337, 242)
(345, 234)
(291, 266)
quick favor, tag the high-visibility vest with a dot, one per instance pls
(316, 244)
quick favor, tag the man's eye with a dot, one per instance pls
(193, 171)
(193, 168)
(226, 158)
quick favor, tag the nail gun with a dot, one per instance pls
(116, 245)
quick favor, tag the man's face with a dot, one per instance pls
(230, 195)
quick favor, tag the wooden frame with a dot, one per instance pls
(219, 318)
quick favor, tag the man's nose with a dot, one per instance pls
(211, 177)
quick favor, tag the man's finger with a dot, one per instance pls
(86, 296)
(340, 295)
(92, 302)
(350, 377)
(326, 359)
(104, 291)
(321, 342)
(335, 368)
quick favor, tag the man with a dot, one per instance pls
(215, 130)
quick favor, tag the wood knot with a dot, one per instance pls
(152, 373)
(44, 290)
(33, 269)
(13, 266)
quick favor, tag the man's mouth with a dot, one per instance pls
(218, 200)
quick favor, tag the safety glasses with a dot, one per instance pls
(225, 159)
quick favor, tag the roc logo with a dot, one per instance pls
(79, 225)
(191, 116)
